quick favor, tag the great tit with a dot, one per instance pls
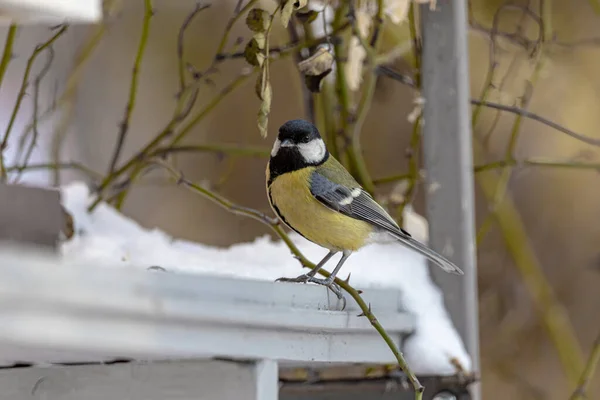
(314, 195)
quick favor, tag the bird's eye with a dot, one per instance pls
(305, 139)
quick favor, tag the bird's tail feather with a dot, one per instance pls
(437, 258)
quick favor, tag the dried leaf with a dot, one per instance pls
(313, 82)
(317, 64)
(258, 20)
(356, 52)
(288, 8)
(253, 53)
(397, 10)
(263, 117)
(307, 17)
(69, 226)
(261, 87)
(286, 12)
(265, 93)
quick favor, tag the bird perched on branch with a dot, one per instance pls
(313, 194)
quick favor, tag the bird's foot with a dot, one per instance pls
(329, 283)
(304, 278)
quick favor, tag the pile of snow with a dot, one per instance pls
(107, 236)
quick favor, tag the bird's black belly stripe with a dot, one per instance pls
(281, 217)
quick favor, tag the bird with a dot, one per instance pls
(314, 195)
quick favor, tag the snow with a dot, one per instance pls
(108, 237)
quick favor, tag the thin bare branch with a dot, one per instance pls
(133, 87)
(36, 95)
(390, 73)
(588, 372)
(180, 37)
(38, 49)
(50, 166)
(540, 119)
(7, 52)
(223, 149)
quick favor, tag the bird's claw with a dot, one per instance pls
(329, 283)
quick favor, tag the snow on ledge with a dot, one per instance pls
(106, 236)
(50, 11)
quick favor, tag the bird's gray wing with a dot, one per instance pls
(353, 202)
(356, 203)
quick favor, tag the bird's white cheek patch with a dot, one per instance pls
(313, 151)
(276, 147)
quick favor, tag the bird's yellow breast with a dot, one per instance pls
(290, 197)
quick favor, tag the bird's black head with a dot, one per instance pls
(298, 131)
(298, 145)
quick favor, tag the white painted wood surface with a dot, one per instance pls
(182, 380)
(50, 11)
(175, 326)
(53, 311)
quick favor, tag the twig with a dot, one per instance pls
(327, 101)
(66, 165)
(487, 223)
(167, 131)
(308, 43)
(510, 109)
(595, 5)
(355, 149)
(505, 213)
(390, 73)
(528, 114)
(36, 94)
(183, 107)
(415, 138)
(529, 162)
(229, 149)
(278, 229)
(551, 312)
(377, 25)
(536, 163)
(133, 87)
(516, 129)
(416, 40)
(7, 53)
(340, 50)
(180, 51)
(38, 49)
(588, 372)
(239, 11)
(391, 178)
(584, 42)
(307, 96)
(111, 7)
(413, 170)
(6, 58)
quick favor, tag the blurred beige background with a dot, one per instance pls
(561, 208)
